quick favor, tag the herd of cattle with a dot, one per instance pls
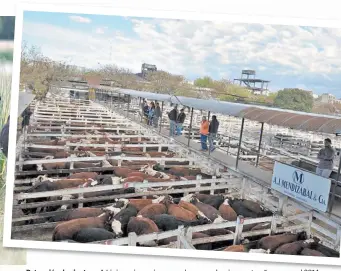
(113, 214)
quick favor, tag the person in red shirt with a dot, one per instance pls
(204, 133)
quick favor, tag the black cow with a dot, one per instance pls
(167, 222)
(120, 221)
(88, 235)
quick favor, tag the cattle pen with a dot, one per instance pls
(69, 136)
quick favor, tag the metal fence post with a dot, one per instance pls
(190, 127)
(260, 143)
(240, 142)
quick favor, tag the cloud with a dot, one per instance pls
(80, 19)
(101, 30)
(307, 56)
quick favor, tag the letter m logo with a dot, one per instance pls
(298, 177)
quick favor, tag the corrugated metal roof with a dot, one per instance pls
(275, 116)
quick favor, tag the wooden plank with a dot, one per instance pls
(67, 144)
(107, 198)
(99, 188)
(91, 136)
(102, 158)
(63, 171)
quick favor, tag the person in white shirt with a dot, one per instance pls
(326, 159)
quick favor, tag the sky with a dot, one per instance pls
(288, 56)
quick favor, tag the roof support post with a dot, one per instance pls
(330, 208)
(260, 143)
(141, 107)
(110, 103)
(190, 127)
(128, 105)
(119, 100)
(160, 124)
(240, 141)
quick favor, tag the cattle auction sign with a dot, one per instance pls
(303, 186)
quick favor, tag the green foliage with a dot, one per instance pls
(294, 99)
(204, 82)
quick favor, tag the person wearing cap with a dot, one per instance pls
(180, 121)
(326, 159)
(204, 133)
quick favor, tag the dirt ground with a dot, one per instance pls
(34, 235)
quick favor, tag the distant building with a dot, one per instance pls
(145, 68)
(327, 98)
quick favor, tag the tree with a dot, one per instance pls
(294, 99)
(37, 72)
(204, 82)
(165, 82)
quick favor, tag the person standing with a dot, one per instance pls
(157, 115)
(26, 115)
(145, 111)
(172, 115)
(326, 159)
(204, 133)
(180, 121)
(213, 130)
(151, 113)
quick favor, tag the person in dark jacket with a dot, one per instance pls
(180, 121)
(172, 115)
(157, 115)
(26, 117)
(4, 136)
(145, 109)
(213, 130)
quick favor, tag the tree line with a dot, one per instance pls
(38, 72)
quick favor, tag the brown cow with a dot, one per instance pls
(275, 241)
(83, 175)
(290, 248)
(141, 203)
(139, 149)
(142, 225)
(133, 179)
(86, 164)
(138, 174)
(56, 165)
(122, 171)
(153, 209)
(235, 248)
(56, 185)
(66, 230)
(209, 211)
(181, 213)
(61, 154)
(191, 207)
(227, 212)
(77, 213)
